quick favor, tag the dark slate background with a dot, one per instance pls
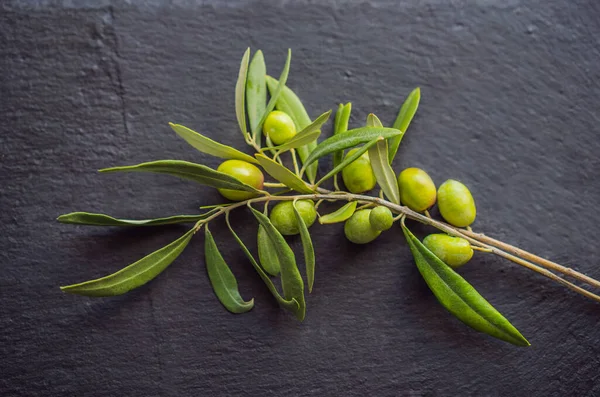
(510, 93)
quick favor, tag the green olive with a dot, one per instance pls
(283, 217)
(245, 172)
(358, 228)
(456, 203)
(417, 190)
(279, 126)
(358, 175)
(454, 251)
(381, 218)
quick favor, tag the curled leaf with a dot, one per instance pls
(405, 116)
(459, 297)
(266, 253)
(186, 170)
(307, 135)
(340, 215)
(134, 275)
(378, 155)
(208, 146)
(289, 103)
(307, 247)
(291, 305)
(256, 92)
(341, 125)
(222, 279)
(88, 218)
(240, 94)
(291, 280)
(282, 174)
(349, 139)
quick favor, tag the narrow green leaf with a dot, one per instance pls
(207, 145)
(378, 154)
(240, 94)
(291, 280)
(282, 174)
(186, 170)
(89, 218)
(307, 246)
(222, 279)
(347, 160)
(349, 139)
(405, 116)
(275, 94)
(266, 253)
(307, 135)
(291, 305)
(340, 215)
(341, 125)
(459, 297)
(134, 275)
(256, 92)
(289, 103)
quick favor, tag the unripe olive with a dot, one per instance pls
(358, 228)
(417, 190)
(381, 218)
(454, 251)
(456, 203)
(358, 175)
(245, 172)
(279, 126)
(283, 217)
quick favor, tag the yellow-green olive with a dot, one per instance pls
(381, 218)
(245, 172)
(358, 175)
(417, 190)
(283, 217)
(358, 228)
(279, 126)
(454, 251)
(456, 203)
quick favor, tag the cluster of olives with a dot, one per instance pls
(417, 192)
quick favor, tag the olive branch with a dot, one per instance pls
(290, 131)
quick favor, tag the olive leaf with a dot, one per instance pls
(291, 280)
(222, 279)
(186, 170)
(289, 103)
(359, 152)
(292, 304)
(240, 94)
(307, 135)
(89, 218)
(459, 297)
(134, 275)
(384, 174)
(266, 253)
(307, 247)
(282, 174)
(405, 116)
(341, 125)
(256, 92)
(275, 94)
(208, 146)
(340, 215)
(349, 139)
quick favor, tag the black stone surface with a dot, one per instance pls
(510, 93)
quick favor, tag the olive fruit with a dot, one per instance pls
(245, 172)
(279, 127)
(358, 228)
(283, 217)
(381, 218)
(417, 190)
(358, 176)
(454, 251)
(456, 203)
